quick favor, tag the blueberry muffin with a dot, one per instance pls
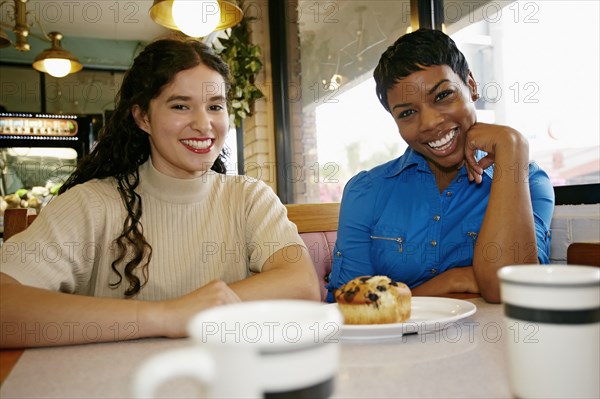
(373, 300)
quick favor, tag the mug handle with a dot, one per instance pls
(187, 362)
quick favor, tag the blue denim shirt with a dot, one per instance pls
(395, 222)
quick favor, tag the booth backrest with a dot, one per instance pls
(317, 225)
(17, 220)
(584, 253)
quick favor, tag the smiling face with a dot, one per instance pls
(433, 110)
(187, 123)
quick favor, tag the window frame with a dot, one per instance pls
(427, 12)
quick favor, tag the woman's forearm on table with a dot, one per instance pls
(37, 317)
(283, 276)
(456, 280)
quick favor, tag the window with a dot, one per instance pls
(354, 133)
(338, 125)
(536, 64)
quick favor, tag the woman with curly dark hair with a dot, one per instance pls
(150, 229)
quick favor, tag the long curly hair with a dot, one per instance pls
(122, 146)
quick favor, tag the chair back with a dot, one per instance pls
(314, 217)
(317, 225)
(16, 220)
(584, 253)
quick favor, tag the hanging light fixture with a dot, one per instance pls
(56, 61)
(196, 18)
(21, 29)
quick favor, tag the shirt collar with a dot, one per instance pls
(411, 158)
(174, 190)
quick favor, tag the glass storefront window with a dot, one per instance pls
(353, 134)
(338, 125)
(536, 64)
(537, 67)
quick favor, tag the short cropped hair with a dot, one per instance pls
(414, 52)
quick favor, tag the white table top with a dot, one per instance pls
(465, 360)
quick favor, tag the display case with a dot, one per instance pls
(37, 154)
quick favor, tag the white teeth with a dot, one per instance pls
(197, 144)
(443, 141)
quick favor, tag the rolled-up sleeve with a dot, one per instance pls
(268, 229)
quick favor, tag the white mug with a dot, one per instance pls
(552, 317)
(271, 348)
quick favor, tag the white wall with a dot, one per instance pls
(573, 223)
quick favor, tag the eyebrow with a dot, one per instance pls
(178, 98)
(188, 98)
(431, 91)
(217, 98)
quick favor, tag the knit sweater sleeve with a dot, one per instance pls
(268, 229)
(58, 250)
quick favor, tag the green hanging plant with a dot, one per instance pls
(244, 61)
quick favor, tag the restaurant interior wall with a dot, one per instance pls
(20, 88)
(86, 92)
(258, 144)
(573, 223)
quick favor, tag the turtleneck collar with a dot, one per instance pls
(171, 189)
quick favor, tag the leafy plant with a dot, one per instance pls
(244, 61)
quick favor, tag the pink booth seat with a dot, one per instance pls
(320, 246)
(317, 225)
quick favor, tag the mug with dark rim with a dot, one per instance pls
(271, 349)
(552, 319)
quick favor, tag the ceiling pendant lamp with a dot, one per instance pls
(56, 61)
(196, 18)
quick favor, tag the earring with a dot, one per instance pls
(476, 96)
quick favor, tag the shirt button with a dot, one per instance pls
(448, 193)
(433, 271)
(338, 253)
(433, 243)
(436, 218)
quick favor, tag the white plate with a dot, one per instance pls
(428, 314)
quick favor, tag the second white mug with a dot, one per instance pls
(552, 314)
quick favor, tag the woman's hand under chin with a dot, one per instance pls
(499, 142)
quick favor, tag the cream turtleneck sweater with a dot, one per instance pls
(214, 226)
